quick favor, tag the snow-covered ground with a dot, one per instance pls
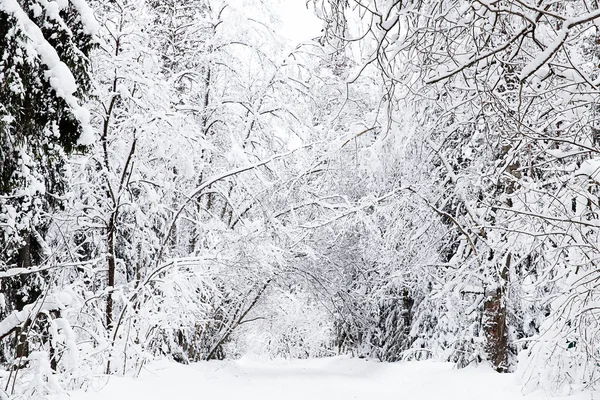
(331, 379)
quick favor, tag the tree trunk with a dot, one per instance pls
(494, 323)
(111, 271)
(23, 261)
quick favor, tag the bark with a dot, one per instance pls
(407, 304)
(494, 326)
(24, 260)
(111, 271)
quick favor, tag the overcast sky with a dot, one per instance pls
(299, 23)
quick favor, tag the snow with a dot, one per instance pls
(52, 302)
(58, 74)
(336, 378)
(389, 24)
(90, 24)
(52, 9)
(546, 55)
(590, 168)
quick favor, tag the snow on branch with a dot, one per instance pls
(58, 74)
(546, 55)
(15, 319)
(480, 57)
(90, 25)
(561, 38)
(213, 180)
(12, 272)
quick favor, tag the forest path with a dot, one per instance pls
(331, 379)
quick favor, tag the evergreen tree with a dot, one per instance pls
(43, 79)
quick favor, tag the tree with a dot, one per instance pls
(504, 93)
(44, 72)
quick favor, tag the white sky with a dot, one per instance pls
(298, 23)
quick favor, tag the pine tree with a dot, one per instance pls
(43, 80)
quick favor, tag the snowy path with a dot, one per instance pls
(330, 379)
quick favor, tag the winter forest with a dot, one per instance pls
(420, 179)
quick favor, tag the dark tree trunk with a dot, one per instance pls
(111, 271)
(407, 304)
(23, 292)
(494, 323)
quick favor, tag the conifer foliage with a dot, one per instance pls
(44, 81)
